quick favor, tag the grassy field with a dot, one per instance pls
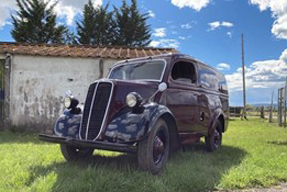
(254, 154)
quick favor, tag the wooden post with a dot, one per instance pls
(243, 76)
(285, 102)
(101, 68)
(280, 106)
(271, 109)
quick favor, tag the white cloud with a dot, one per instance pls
(279, 28)
(151, 13)
(5, 10)
(194, 4)
(214, 25)
(262, 4)
(229, 34)
(186, 26)
(166, 43)
(261, 74)
(67, 9)
(184, 38)
(279, 13)
(160, 32)
(226, 24)
(223, 66)
(217, 24)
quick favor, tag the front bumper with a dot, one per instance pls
(92, 144)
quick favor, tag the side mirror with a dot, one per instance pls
(162, 87)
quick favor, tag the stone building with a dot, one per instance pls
(34, 78)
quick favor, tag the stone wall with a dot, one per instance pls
(38, 85)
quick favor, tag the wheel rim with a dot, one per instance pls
(159, 147)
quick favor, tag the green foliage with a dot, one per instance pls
(35, 22)
(131, 27)
(125, 26)
(97, 26)
(253, 155)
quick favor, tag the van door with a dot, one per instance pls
(208, 99)
(181, 97)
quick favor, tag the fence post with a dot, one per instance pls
(271, 109)
(278, 108)
(281, 109)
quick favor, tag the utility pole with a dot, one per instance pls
(243, 76)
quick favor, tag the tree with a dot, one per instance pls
(35, 22)
(97, 26)
(131, 26)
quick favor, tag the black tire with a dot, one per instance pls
(72, 153)
(214, 141)
(153, 151)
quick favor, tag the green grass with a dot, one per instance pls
(254, 154)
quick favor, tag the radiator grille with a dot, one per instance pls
(95, 109)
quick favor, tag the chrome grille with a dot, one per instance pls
(95, 110)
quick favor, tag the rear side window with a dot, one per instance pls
(208, 78)
(184, 72)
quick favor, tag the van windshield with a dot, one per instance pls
(145, 70)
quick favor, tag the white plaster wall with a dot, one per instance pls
(38, 86)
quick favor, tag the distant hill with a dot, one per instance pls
(260, 104)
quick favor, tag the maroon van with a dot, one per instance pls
(147, 106)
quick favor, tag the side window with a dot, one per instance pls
(208, 78)
(184, 72)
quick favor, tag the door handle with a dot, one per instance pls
(202, 116)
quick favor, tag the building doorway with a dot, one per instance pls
(2, 92)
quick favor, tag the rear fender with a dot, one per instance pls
(214, 119)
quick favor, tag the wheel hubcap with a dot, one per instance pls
(158, 149)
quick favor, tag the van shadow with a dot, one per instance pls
(189, 169)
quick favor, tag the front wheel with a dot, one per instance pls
(214, 141)
(72, 153)
(153, 151)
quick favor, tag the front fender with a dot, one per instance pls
(68, 125)
(132, 127)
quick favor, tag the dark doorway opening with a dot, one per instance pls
(2, 92)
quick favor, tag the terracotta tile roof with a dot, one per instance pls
(114, 52)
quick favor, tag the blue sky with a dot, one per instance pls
(209, 30)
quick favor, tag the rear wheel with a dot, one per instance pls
(72, 153)
(153, 151)
(214, 141)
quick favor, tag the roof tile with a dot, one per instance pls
(114, 52)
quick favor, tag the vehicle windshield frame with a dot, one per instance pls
(136, 62)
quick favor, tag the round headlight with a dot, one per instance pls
(131, 100)
(67, 102)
